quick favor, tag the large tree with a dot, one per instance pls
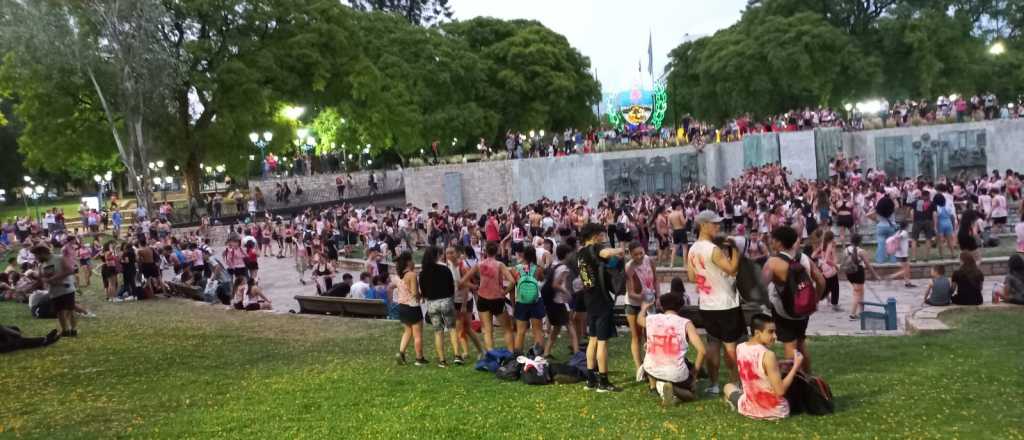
(537, 79)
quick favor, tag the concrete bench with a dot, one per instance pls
(329, 305)
(185, 290)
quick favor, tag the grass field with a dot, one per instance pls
(174, 369)
(69, 205)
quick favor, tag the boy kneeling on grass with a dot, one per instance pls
(762, 390)
(669, 373)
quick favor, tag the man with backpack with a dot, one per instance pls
(557, 297)
(599, 301)
(799, 285)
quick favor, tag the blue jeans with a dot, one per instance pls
(883, 230)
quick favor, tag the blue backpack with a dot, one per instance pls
(493, 359)
(579, 361)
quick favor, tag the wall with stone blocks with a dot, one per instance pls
(491, 184)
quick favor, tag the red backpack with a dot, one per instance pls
(798, 297)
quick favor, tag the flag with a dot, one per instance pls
(650, 54)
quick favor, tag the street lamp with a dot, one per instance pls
(34, 194)
(998, 48)
(102, 182)
(262, 143)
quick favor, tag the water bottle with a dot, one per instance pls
(996, 288)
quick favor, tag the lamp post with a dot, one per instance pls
(162, 183)
(34, 194)
(262, 143)
(102, 182)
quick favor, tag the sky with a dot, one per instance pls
(614, 34)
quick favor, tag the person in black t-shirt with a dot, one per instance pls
(599, 302)
(923, 221)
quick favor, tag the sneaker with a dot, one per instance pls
(731, 404)
(400, 358)
(72, 333)
(442, 364)
(713, 390)
(52, 337)
(668, 395)
(421, 362)
(909, 285)
(836, 308)
(591, 384)
(854, 317)
(459, 360)
(641, 376)
(607, 387)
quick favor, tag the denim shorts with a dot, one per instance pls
(441, 313)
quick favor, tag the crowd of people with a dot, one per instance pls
(557, 266)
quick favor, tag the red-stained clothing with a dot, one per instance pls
(759, 400)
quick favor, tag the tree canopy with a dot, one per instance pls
(787, 54)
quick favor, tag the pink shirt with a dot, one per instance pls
(758, 400)
(666, 347)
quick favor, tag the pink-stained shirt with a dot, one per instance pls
(758, 400)
(666, 348)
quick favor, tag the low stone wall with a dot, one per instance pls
(926, 319)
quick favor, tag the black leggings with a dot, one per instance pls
(832, 289)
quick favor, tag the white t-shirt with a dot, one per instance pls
(999, 206)
(666, 348)
(714, 288)
(358, 290)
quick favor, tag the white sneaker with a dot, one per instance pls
(668, 395)
(641, 376)
(713, 390)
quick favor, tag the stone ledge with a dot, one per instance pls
(926, 319)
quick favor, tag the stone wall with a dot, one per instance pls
(491, 184)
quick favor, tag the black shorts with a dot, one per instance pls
(149, 270)
(64, 302)
(856, 277)
(578, 304)
(492, 306)
(239, 272)
(410, 314)
(663, 243)
(844, 221)
(725, 325)
(468, 305)
(998, 220)
(679, 236)
(557, 314)
(601, 324)
(790, 330)
(517, 247)
(923, 227)
(252, 265)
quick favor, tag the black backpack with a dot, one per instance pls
(510, 370)
(810, 395)
(547, 291)
(533, 377)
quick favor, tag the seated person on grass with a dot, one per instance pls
(1013, 287)
(669, 373)
(762, 389)
(248, 296)
(939, 289)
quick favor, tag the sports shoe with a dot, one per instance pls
(442, 364)
(713, 390)
(459, 360)
(591, 383)
(909, 285)
(607, 387)
(668, 395)
(836, 308)
(421, 362)
(400, 358)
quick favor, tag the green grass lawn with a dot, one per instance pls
(69, 205)
(172, 369)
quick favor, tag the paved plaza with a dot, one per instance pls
(280, 283)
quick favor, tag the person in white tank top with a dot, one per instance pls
(762, 389)
(713, 271)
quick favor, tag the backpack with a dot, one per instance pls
(564, 373)
(539, 374)
(527, 288)
(892, 244)
(798, 297)
(810, 395)
(493, 359)
(851, 262)
(510, 370)
(547, 291)
(579, 362)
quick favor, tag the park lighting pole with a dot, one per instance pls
(34, 194)
(261, 143)
(102, 182)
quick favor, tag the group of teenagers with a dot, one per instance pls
(576, 289)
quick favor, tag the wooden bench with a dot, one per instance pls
(329, 305)
(185, 291)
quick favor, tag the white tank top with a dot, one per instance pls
(714, 288)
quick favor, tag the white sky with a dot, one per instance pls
(614, 33)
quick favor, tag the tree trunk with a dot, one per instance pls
(193, 175)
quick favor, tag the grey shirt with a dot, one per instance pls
(941, 291)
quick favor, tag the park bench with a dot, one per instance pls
(329, 305)
(185, 291)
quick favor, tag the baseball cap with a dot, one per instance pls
(708, 216)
